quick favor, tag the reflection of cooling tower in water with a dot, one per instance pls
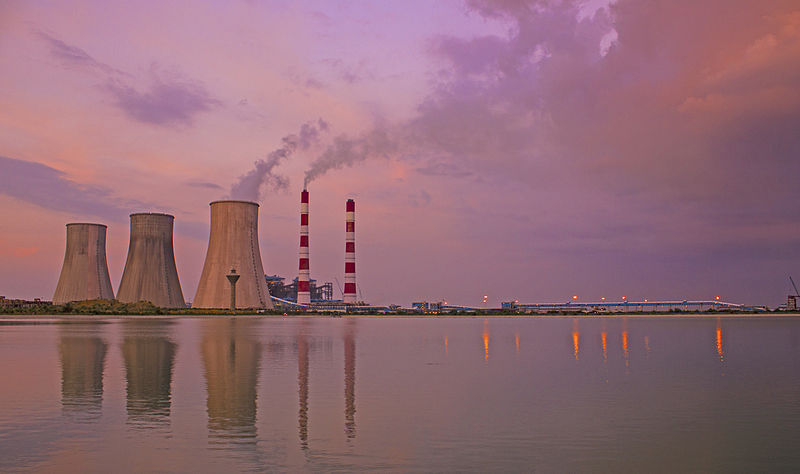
(149, 355)
(233, 244)
(84, 274)
(231, 359)
(150, 273)
(83, 354)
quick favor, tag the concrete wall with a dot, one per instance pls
(84, 274)
(233, 244)
(150, 273)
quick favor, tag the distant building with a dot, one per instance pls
(16, 303)
(427, 306)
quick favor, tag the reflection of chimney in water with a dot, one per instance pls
(231, 360)
(149, 355)
(82, 355)
(350, 384)
(302, 389)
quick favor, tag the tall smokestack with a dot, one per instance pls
(84, 274)
(350, 253)
(303, 278)
(233, 245)
(150, 273)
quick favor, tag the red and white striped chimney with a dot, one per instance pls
(350, 253)
(303, 278)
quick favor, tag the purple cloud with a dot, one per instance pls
(167, 102)
(73, 56)
(203, 184)
(50, 188)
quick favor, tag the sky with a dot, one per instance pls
(529, 150)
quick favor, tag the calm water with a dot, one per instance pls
(311, 394)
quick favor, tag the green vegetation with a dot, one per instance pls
(114, 307)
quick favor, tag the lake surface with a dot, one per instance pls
(547, 394)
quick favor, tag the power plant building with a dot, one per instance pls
(150, 273)
(233, 245)
(84, 274)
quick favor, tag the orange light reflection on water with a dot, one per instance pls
(719, 341)
(576, 338)
(625, 347)
(605, 351)
(486, 339)
(516, 341)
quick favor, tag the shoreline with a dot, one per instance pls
(45, 318)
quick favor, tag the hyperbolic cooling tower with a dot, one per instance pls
(233, 245)
(84, 275)
(150, 273)
(304, 276)
(350, 253)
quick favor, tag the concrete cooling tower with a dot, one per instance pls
(84, 275)
(150, 273)
(233, 245)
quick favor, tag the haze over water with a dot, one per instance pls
(447, 394)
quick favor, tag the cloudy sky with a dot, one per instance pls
(527, 150)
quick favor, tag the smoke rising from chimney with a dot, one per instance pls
(253, 185)
(346, 150)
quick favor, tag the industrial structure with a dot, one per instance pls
(233, 245)
(150, 273)
(84, 274)
(350, 253)
(319, 292)
(304, 275)
(791, 300)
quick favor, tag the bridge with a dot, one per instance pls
(629, 306)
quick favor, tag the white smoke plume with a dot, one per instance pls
(345, 151)
(253, 185)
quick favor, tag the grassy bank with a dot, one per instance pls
(116, 308)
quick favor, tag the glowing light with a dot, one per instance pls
(624, 297)
(603, 298)
(574, 297)
(719, 341)
(717, 298)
